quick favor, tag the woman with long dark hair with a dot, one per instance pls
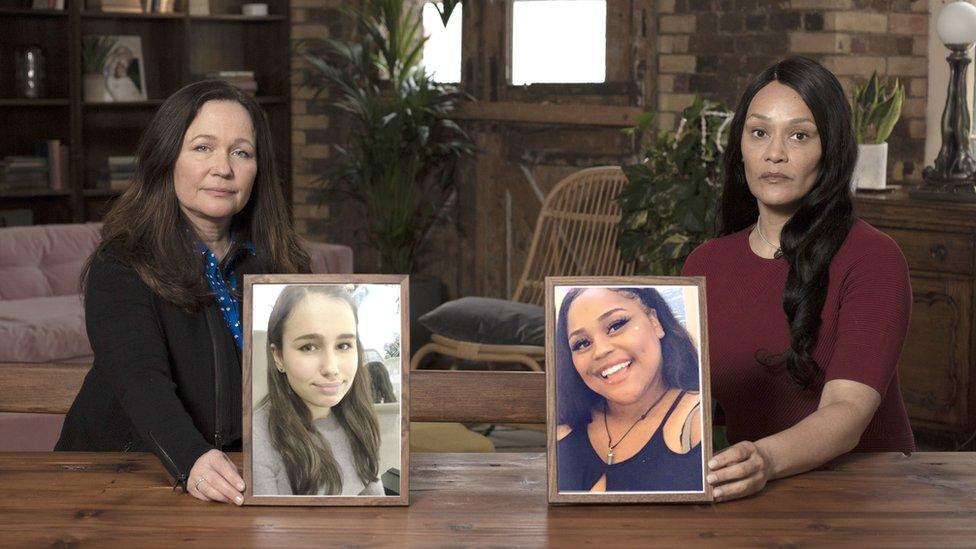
(627, 394)
(162, 299)
(316, 432)
(808, 306)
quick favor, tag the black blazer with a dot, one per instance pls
(163, 380)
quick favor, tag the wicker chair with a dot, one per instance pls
(575, 235)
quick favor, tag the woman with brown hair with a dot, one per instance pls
(316, 432)
(162, 299)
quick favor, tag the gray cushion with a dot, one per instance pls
(487, 320)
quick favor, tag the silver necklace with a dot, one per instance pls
(779, 251)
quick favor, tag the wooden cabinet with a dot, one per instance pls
(177, 49)
(938, 362)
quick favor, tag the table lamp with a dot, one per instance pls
(953, 177)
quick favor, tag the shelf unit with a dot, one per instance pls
(177, 49)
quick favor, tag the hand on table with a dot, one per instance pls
(738, 471)
(214, 477)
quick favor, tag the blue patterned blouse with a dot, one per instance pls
(223, 283)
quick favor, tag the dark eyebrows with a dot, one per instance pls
(319, 336)
(765, 118)
(600, 318)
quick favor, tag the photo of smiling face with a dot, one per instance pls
(319, 353)
(615, 344)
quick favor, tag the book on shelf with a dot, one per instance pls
(115, 6)
(242, 80)
(121, 170)
(48, 5)
(158, 6)
(22, 173)
(57, 157)
(199, 7)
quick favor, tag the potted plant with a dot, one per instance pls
(671, 196)
(399, 161)
(94, 51)
(876, 107)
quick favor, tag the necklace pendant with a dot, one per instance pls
(610, 457)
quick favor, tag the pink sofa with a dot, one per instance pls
(42, 317)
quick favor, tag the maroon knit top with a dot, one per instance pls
(863, 325)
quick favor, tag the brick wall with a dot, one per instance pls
(714, 47)
(312, 129)
(711, 47)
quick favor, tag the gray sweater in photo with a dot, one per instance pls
(269, 476)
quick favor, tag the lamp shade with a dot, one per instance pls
(957, 23)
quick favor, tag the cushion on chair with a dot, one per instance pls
(487, 320)
(44, 260)
(426, 437)
(43, 329)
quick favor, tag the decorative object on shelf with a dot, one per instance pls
(669, 201)
(93, 55)
(399, 162)
(953, 177)
(30, 73)
(199, 7)
(877, 107)
(254, 10)
(113, 69)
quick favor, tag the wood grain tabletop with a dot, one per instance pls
(882, 500)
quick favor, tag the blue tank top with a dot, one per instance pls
(655, 468)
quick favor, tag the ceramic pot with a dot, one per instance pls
(871, 168)
(94, 87)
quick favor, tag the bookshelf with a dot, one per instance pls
(177, 48)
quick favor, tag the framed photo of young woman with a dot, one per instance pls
(627, 390)
(325, 390)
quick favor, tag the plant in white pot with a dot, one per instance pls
(877, 107)
(94, 52)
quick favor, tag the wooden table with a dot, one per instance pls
(889, 500)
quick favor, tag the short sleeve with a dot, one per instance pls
(875, 308)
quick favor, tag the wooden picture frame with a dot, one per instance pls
(596, 348)
(382, 320)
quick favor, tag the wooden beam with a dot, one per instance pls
(478, 396)
(577, 115)
(47, 388)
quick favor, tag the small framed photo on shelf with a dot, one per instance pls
(325, 389)
(114, 70)
(628, 390)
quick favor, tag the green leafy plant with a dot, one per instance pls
(94, 51)
(670, 199)
(877, 107)
(399, 161)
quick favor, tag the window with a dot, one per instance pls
(559, 41)
(442, 51)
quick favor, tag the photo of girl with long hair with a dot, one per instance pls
(628, 389)
(317, 431)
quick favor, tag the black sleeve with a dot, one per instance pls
(129, 342)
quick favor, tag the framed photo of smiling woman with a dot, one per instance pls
(628, 394)
(325, 390)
